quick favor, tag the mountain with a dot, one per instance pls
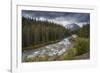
(72, 26)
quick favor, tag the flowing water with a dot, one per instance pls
(56, 49)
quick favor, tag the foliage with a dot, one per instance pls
(82, 45)
(41, 32)
(70, 54)
(84, 31)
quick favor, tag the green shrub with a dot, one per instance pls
(70, 54)
(82, 45)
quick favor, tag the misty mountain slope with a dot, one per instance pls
(72, 26)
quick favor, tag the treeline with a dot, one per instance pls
(83, 31)
(81, 44)
(41, 32)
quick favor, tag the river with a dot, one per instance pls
(55, 49)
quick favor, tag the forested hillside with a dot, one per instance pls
(84, 31)
(39, 33)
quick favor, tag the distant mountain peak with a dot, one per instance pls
(72, 26)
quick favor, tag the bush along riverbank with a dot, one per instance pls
(80, 50)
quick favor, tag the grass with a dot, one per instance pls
(41, 58)
(38, 58)
(69, 55)
(82, 45)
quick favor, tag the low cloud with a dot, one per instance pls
(62, 18)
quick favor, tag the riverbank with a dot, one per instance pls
(50, 51)
(70, 48)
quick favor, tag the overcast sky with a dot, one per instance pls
(62, 18)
